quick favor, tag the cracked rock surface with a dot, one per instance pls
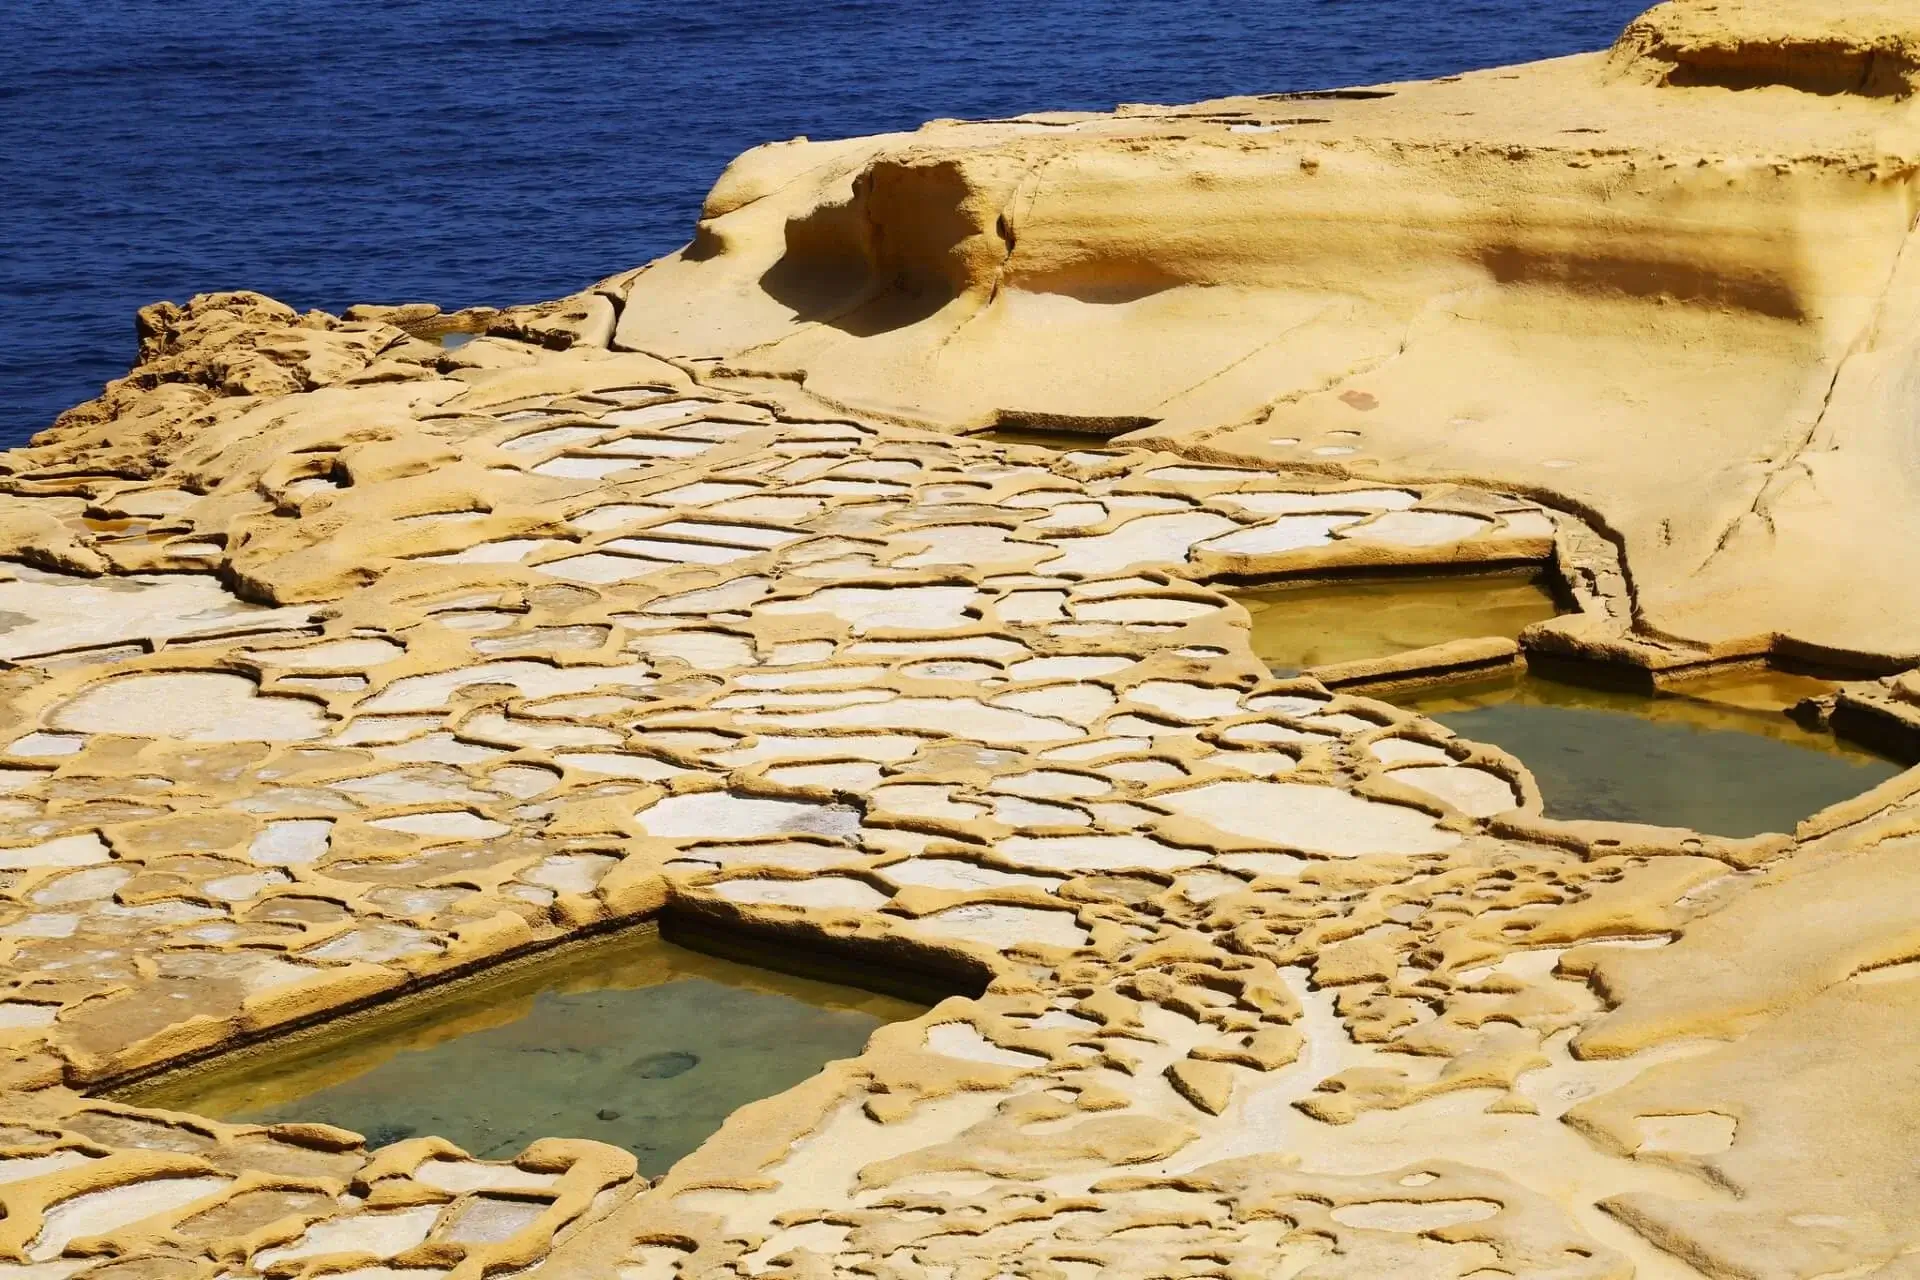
(339, 663)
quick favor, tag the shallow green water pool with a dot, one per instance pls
(631, 1041)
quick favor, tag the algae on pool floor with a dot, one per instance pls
(1297, 627)
(1718, 755)
(634, 1042)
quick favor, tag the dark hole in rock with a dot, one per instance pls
(630, 1040)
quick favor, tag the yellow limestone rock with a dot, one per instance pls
(685, 595)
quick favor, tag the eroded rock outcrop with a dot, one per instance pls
(339, 663)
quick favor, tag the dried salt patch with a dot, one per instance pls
(847, 775)
(970, 545)
(1097, 749)
(1147, 772)
(376, 943)
(826, 892)
(963, 717)
(1052, 784)
(1144, 609)
(380, 1234)
(1203, 475)
(503, 551)
(1286, 504)
(678, 552)
(1259, 764)
(955, 873)
(546, 640)
(701, 650)
(999, 927)
(47, 744)
(1526, 524)
(410, 786)
(17, 780)
(82, 886)
(1153, 539)
(571, 872)
(451, 824)
(1289, 533)
(1263, 864)
(200, 706)
(1079, 854)
(615, 765)
(951, 669)
(885, 747)
(494, 727)
(493, 1219)
(728, 815)
(532, 679)
(19, 1015)
(701, 492)
(1287, 704)
(552, 438)
(1081, 704)
(598, 569)
(963, 1040)
(291, 842)
(650, 447)
(41, 926)
(437, 748)
(460, 1176)
(613, 516)
(67, 851)
(739, 535)
(873, 608)
(1301, 816)
(989, 648)
(1418, 528)
(1073, 668)
(246, 887)
(1014, 811)
(1406, 751)
(1414, 1216)
(99, 1213)
(585, 468)
(1183, 701)
(1031, 606)
(1474, 792)
(20, 1168)
(665, 411)
(1265, 731)
(523, 781)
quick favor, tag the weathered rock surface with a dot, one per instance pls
(682, 594)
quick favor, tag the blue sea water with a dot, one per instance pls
(336, 151)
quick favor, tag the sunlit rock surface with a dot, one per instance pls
(341, 662)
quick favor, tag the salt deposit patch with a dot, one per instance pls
(201, 706)
(1474, 792)
(827, 892)
(1320, 819)
(998, 926)
(726, 815)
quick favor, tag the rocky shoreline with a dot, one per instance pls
(344, 662)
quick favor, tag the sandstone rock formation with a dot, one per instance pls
(340, 663)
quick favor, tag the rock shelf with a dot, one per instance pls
(341, 663)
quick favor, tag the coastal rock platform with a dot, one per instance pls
(341, 662)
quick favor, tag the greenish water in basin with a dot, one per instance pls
(631, 1041)
(1296, 627)
(1717, 755)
